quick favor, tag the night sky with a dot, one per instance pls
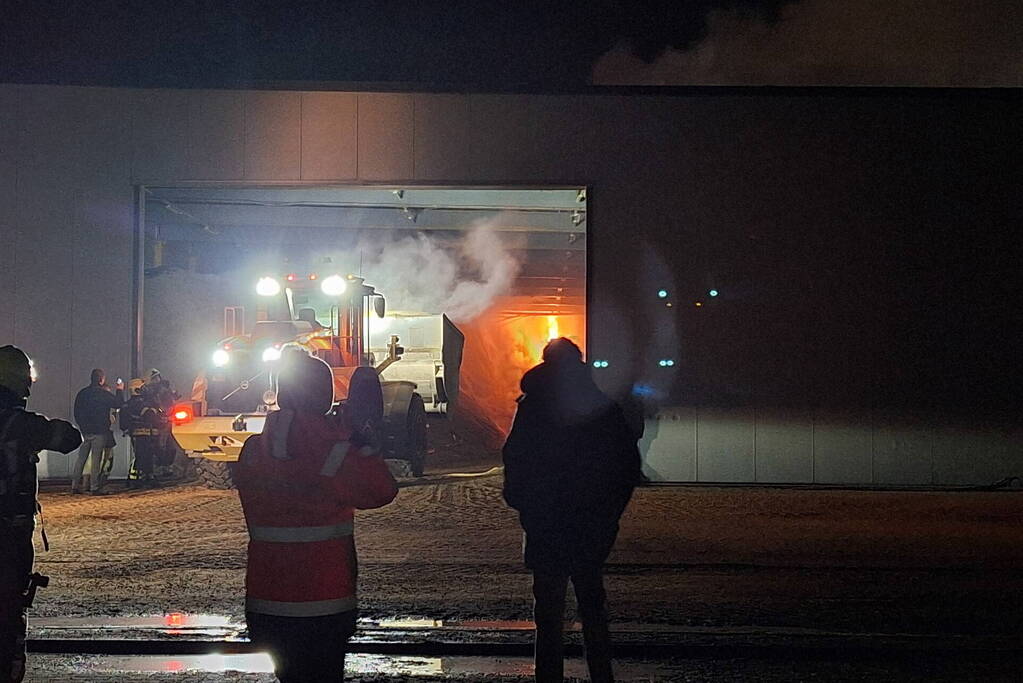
(551, 45)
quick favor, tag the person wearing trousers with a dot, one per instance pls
(571, 463)
(22, 435)
(92, 414)
(300, 482)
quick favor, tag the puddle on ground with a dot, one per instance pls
(172, 623)
(181, 622)
(360, 665)
(223, 626)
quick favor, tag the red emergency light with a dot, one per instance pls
(182, 414)
(291, 277)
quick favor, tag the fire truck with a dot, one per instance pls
(390, 370)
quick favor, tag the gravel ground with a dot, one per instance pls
(895, 562)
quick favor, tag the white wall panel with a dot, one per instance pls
(902, 454)
(528, 138)
(843, 449)
(784, 443)
(329, 136)
(273, 136)
(8, 218)
(385, 136)
(216, 135)
(668, 446)
(49, 139)
(160, 135)
(725, 446)
(66, 225)
(442, 148)
(975, 457)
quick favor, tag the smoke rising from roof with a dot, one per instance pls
(835, 42)
(420, 274)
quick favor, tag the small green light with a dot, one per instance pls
(662, 294)
(713, 292)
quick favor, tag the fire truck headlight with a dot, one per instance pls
(268, 286)
(221, 358)
(271, 353)
(334, 285)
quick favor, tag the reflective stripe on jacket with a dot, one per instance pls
(300, 482)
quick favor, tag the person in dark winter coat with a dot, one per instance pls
(571, 463)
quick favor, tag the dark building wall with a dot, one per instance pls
(864, 246)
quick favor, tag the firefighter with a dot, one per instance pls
(300, 482)
(160, 394)
(142, 420)
(22, 436)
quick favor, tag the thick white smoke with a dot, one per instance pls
(418, 274)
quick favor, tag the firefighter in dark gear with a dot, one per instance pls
(22, 435)
(300, 482)
(571, 463)
(144, 421)
(159, 393)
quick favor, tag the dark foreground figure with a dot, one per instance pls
(300, 482)
(22, 436)
(571, 463)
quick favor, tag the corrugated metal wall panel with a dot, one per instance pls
(784, 442)
(442, 149)
(161, 134)
(329, 136)
(725, 445)
(669, 445)
(216, 135)
(386, 125)
(273, 136)
(8, 199)
(843, 450)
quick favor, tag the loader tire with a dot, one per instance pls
(417, 443)
(214, 474)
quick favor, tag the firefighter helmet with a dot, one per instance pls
(16, 371)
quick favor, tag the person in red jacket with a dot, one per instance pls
(300, 482)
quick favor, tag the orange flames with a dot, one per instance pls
(499, 347)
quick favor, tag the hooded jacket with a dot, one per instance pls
(571, 463)
(300, 482)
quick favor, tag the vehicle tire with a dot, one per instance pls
(417, 444)
(214, 474)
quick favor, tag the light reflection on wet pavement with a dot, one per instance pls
(356, 665)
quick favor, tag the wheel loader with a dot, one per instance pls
(376, 386)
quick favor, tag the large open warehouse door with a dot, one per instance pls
(505, 268)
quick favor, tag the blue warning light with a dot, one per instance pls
(600, 364)
(662, 294)
(666, 363)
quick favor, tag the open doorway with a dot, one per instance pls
(473, 283)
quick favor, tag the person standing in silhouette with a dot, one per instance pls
(571, 463)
